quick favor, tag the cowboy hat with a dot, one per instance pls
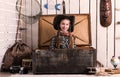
(58, 18)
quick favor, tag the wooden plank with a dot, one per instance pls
(24, 32)
(117, 29)
(3, 28)
(101, 40)
(84, 6)
(74, 6)
(112, 71)
(117, 39)
(67, 6)
(93, 22)
(44, 10)
(1, 57)
(2, 34)
(34, 28)
(101, 45)
(111, 38)
(29, 36)
(2, 45)
(7, 13)
(117, 53)
(35, 35)
(61, 10)
(110, 44)
(117, 6)
(51, 6)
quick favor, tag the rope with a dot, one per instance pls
(63, 3)
(18, 23)
(31, 28)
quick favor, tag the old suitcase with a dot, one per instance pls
(64, 60)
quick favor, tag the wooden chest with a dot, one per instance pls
(63, 61)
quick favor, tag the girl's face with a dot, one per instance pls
(64, 25)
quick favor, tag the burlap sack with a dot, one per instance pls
(15, 54)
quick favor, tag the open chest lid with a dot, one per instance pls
(82, 29)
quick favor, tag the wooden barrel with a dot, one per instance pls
(105, 13)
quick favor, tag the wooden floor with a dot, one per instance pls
(4, 74)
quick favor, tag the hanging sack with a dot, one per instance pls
(15, 54)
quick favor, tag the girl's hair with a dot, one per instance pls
(57, 20)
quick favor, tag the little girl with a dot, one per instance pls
(64, 38)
